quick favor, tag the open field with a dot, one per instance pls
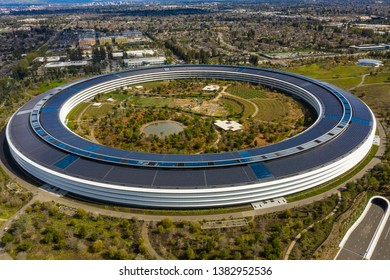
(382, 77)
(249, 108)
(152, 101)
(246, 92)
(45, 86)
(345, 83)
(270, 109)
(376, 96)
(323, 71)
(233, 107)
(76, 111)
(98, 111)
(118, 96)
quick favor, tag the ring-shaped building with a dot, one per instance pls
(43, 146)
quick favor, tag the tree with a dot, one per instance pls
(204, 57)
(97, 246)
(96, 55)
(102, 52)
(81, 213)
(20, 70)
(167, 223)
(190, 254)
(251, 34)
(254, 59)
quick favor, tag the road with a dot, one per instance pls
(358, 242)
(298, 237)
(382, 249)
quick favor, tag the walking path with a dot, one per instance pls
(145, 237)
(361, 82)
(298, 237)
(246, 100)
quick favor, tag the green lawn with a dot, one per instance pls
(115, 95)
(270, 109)
(49, 85)
(345, 83)
(151, 101)
(383, 77)
(98, 111)
(323, 71)
(249, 109)
(233, 107)
(75, 112)
(376, 96)
(247, 93)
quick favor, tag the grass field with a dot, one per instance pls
(50, 85)
(270, 109)
(322, 71)
(151, 101)
(345, 83)
(116, 95)
(75, 112)
(383, 77)
(247, 93)
(233, 107)
(98, 111)
(376, 96)
(249, 109)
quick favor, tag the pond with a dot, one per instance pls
(162, 128)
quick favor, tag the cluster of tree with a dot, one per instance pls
(264, 237)
(75, 54)
(45, 229)
(10, 91)
(188, 55)
(98, 54)
(181, 88)
(12, 197)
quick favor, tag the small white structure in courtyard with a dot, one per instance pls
(228, 125)
(211, 88)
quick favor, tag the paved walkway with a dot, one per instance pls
(145, 236)
(361, 82)
(246, 100)
(298, 237)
